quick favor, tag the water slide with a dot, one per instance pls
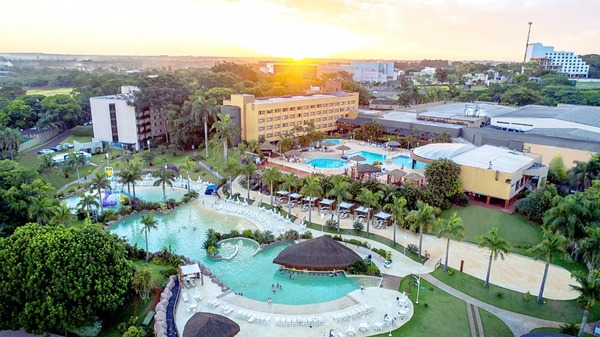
(106, 202)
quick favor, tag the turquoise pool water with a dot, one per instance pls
(400, 160)
(145, 193)
(326, 163)
(334, 141)
(245, 273)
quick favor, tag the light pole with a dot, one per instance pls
(418, 288)
(148, 142)
(107, 160)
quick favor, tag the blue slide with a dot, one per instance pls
(106, 202)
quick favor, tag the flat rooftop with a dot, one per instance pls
(125, 97)
(456, 110)
(501, 159)
(407, 117)
(298, 98)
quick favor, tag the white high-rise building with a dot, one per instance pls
(565, 62)
(373, 71)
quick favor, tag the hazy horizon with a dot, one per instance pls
(457, 30)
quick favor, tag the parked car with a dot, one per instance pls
(56, 148)
(67, 145)
(45, 151)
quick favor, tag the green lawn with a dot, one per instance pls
(562, 311)
(49, 92)
(555, 330)
(157, 278)
(56, 177)
(478, 220)
(441, 314)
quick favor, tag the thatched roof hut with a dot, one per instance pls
(317, 254)
(204, 324)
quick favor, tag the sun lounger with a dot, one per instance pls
(184, 296)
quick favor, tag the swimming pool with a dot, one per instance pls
(326, 163)
(334, 141)
(153, 194)
(399, 160)
(245, 273)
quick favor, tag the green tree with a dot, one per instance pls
(75, 160)
(584, 173)
(12, 90)
(443, 178)
(369, 200)
(19, 114)
(189, 168)
(421, 219)
(399, 212)
(60, 112)
(589, 292)
(164, 177)
(311, 188)
(98, 183)
(10, 139)
(130, 175)
(497, 245)
(148, 157)
(248, 171)
(62, 216)
(590, 248)
(552, 246)
(339, 192)
(46, 164)
(202, 110)
(86, 202)
(225, 130)
(133, 331)
(450, 228)
(42, 210)
(289, 183)
(141, 282)
(148, 223)
(85, 273)
(537, 202)
(271, 176)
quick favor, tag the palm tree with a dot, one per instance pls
(46, 165)
(497, 245)
(148, 223)
(86, 203)
(450, 227)
(422, 218)
(62, 215)
(289, 182)
(270, 176)
(98, 183)
(129, 175)
(590, 248)
(589, 293)
(225, 130)
(552, 245)
(189, 168)
(232, 168)
(369, 200)
(76, 160)
(398, 210)
(164, 177)
(202, 109)
(339, 192)
(248, 171)
(584, 173)
(387, 192)
(312, 188)
(42, 210)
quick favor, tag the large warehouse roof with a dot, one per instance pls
(493, 158)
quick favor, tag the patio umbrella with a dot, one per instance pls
(204, 324)
(393, 143)
(293, 153)
(396, 173)
(357, 158)
(327, 144)
(367, 168)
(343, 148)
(266, 146)
(413, 176)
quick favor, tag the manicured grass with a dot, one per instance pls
(80, 139)
(478, 220)
(49, 92)
(562, 311)
(555, 330)
(55, 177)
(157, 278)
(493, 326)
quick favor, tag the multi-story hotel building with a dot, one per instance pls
(116, 121)
(272, 117)
(565, 62)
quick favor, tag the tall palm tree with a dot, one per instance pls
(422, 218)
(202, 109)
(148, 222)
(369, 200)
(42, 210)
(62, 216)
(189, 168)
(312, 188)
(552, 245)
(387, 192)
(448, 228)
(76, 160)
(130, 174)
(590, 248)
(398, 210)
(248, 171)
(164, 177)
(339, 192)
(46, 164)
(270, 176)
(225, 130)
(98, 183)
(86, 203)
(589, 293)
(232, 169)
(584, 173)
(289, 183)
(497, 245)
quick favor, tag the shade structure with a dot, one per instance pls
(397, 173)
(317, 254)
(357, 158)
(382, 215)
(414, 176)
(343, 148)
(367, 168)
(266, 146)
(293, 153)
(283, 193)
(392, 143)
(327, 144)
(204, 324)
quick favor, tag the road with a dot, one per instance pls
(53, 142)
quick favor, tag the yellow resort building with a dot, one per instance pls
(272, 117)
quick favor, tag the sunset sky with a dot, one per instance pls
(374, 29)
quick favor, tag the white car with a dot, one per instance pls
(45, 151)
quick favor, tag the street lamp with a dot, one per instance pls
(107, 159)
(148, 142)
(418, 288)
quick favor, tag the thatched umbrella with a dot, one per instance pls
(204, 324)
(367, 168)
(396, 173)
(317, 254)
(357, 158)
(327, 144)
(414, 176)
(293, 153)
(266, 146)
(393, 143)
(343, 148)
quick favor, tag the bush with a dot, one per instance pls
(527, 296)
(460, 199)
(331, 224)
(307, 235)
(413, 248)
(83, 131)
(571, 329)
(358, 226)
(450, 272)
(426, 305)
(169, 271)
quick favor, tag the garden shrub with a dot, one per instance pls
(412, 247)
(169, 271)
(358, 226)
(331, 224)
(83, 131)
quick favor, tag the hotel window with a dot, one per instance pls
(305, 114)
(317, 127)
(276, 118)
(300, 115)
(330, 104)
(276, 126)
(292, 116)
(330, 117)
(269, 127)
(261, 120)
(284, 133)
(293, 108)
(324, 125)
(261, 128)
(269, 135)
(261, 112)
(276, 134)
(318, 105)
(330, 111)
(270, 119)
(312, 120)
(312, 106)
(284, 117)
(330, 124)
(284, 125)
(312, 113)
(270, 111)
(277, 110)
(292, 123)
(336, 110)
(319, 112)
(337, 103)
(318, 119)
(285, 109)
(306, 107)
(299, 108)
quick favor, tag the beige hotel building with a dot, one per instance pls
(272, 117)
